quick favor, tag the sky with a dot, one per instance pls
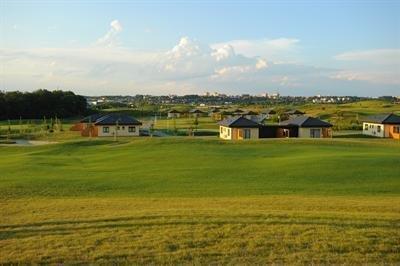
(185, 47)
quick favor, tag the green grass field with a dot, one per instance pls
(201, 201)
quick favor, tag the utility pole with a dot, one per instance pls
(90, 127)
(20, 125)
(116, 130)
(9, 130)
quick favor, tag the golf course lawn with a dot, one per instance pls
(201, 200)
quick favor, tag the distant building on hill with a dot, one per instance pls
(174, 114)
(237, 112)
(268, 114)
(251, 115)
(215, 113)
(196, 113)
(294, 113)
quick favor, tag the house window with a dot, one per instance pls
(366, 127)
(379, 129)
(117, 127)
(315, 133)
(221, 130)
(131, 129)
(106, 130)
(247, 133)
(123, 127)
(396, 129)
(229, 132)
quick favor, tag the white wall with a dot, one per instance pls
(174, 115)
(232, 133)
(371, 129)
(305, 132)
(254, 133)
(122, 132)
(225, 132)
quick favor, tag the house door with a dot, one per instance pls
(247, 133)
(315, 132)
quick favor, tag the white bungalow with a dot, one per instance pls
(383, 126)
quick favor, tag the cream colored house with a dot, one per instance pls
(382, 126)
(196, 113)
(238, 128)
(174, 114)
(121, 131)
(111, 125)
(294, 113)
(269, 113)
(251, 115)
(306, 127)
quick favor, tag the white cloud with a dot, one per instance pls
(372, 76)
(273, 49)
(191, 59)
(223, 52)
(188, 67)
(261, 63)
(377, 56)
(110, 38)
(380, 66)
(116, 25)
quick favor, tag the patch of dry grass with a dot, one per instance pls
(239, 230)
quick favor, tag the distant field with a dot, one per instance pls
(342, 116)
(363, 108)
(194, 200)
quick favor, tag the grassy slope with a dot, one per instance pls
(206, 123)
(369, 107)
(200, 167)
(197, 200)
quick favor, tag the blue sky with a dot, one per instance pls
(179, 47)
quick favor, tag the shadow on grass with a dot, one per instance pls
(357, 136)
(67, 227)
(88, 143)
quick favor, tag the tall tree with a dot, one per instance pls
(41, 103)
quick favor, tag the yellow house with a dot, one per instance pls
(238, 128)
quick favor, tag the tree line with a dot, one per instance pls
(41, 103)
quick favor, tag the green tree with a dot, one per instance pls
(338, 118)
(9, 130)
(196, 123)
(20, 126)
(174, 127)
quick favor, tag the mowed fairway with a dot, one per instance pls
(186, 200)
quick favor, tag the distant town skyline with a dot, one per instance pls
(243, 47)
